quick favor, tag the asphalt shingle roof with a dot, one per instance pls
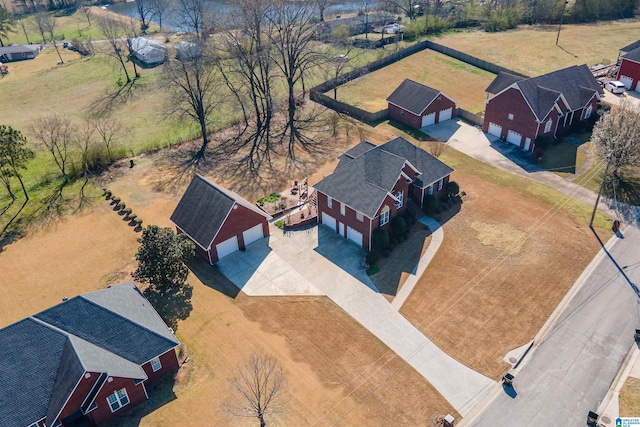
(502, 81)
(363, 182)
(632, 46)
(17, 48)
(633, 55)
(203, 209)
(413, 96)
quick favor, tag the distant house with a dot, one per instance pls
(19, 52)
(521, 109)
(218, 220)
(372, 184)
(629, 71)
(148, 52)
(187, 50)
(417, 105)
(84, 361)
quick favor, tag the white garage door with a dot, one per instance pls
(514, 137)
(495, 130)
(227, 247)
(445, 115)
(627, 81)
(638, 86)
(252, 234)
(354, 235)
(429, 119)
(329, 221)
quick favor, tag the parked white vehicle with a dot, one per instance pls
(615, 86)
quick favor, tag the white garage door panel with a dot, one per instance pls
(227, 247)
(355, 236)
(627, 81)
(429, 119)
(252, 234)
(445, 115)
(329, 221)
(514, 137)
(495, 130)
(638, 86)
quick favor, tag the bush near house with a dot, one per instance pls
(380, 239)
(398, 225)
(430, 204)
(453, 189)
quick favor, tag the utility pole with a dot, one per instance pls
(564, 6)
(606, 169)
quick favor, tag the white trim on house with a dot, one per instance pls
(156, 365)
(547, 126)
(429, 104)
(382, 216)
(118, 400)
(329, 201)
(222, 225)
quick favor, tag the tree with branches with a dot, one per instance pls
(616, 136)
(109, 131)
(193, 17)
(115, 36)
(144, 10)
(56, 134)
(161, 9)
(49, 24)
(14, 156)
(6, 23)
(259, 388)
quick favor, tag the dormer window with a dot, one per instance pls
(400, 199)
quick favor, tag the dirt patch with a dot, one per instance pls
(505, 263)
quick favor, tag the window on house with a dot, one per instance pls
(440, 183)
(329, 202)
(384, 216)
(400, 197)
(118, 399)
(430, 190)
(547, 126)
(359, 216)
(587, 114)
(155, 364)
(342, 209)
(510, 116)
(402, 112)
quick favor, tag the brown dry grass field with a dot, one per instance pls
(462, 82)
(533, 51)
(630, 398)
(498, 276)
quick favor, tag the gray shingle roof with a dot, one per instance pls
(44, 356)
(17, 48)
(363, 182)
(502, 81)
(632, 46)
(633, 55)
(413, 96)
(203, 209)
(576, 84)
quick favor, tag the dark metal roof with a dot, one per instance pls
(633, 55)
(203, 209)
(502, 81)
(413, 96)
(632, 46)
(364, 182)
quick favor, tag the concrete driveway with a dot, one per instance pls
(317, 261)
(632, 97)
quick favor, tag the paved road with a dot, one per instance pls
(571, 370)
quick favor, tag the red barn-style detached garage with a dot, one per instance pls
(373, 184)
(218, 220)
(85, 361)
(417, 105)
(629, 71)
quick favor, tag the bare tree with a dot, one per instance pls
(56, 134)
(193, 17)
(115, 35)
(130, 30)
(87, 12)
(322, 6)
(144, 9)
(109, 131)
(86, 142)
(436, 148)
(335, 64)
(24, 28)
(406, 6)
(49, 24)
(161, 9)
(40, 18)
(260, 389)
(194, 83)
(616, 135)
(365, 7)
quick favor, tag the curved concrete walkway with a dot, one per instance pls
(437, 236)
(319, 261)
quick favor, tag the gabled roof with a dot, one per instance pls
(502, 81)
(413, 96)
(46, 355)
(204, 207)
(633, 55)
(362, 182)
(575, 84)
(630, 47)
(18, 48)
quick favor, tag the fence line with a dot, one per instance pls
(344, 108)
(470, 117)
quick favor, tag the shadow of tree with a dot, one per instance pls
(212, 277)
(173, 304)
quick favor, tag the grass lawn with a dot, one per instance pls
(533, 51)
(563, 158)
(462, 82)
(629, 398)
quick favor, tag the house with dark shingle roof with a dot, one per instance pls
(84, 361)
(372, 184)
(520, 109)
(417, 105)
(629, 71)
(17, 52)
(218, 220)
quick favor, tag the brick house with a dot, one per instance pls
(372, 184)
(218, 220)
(417, 105)
(84, 361)
(629, 71)
(520, 109)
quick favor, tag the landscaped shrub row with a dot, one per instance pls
(121, 208)
(383, 243)
(432, 205)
